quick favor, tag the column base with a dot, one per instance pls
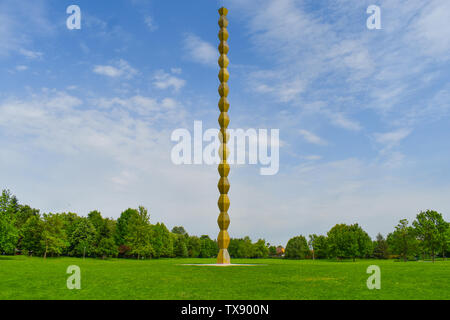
(223, 257)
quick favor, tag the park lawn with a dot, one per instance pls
(36, 278)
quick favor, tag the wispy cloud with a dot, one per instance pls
(312, 138)
(121, 68)
(21, 68)
(318, 58)
(31, 54)
(163, 80)
(150, 22)
(392, 138)
(200, 51)
(389, 141)
(20, 24)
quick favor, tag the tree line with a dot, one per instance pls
(25, 230)
(427, 237)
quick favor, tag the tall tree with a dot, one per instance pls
(208, 247)
(54, 237)
(365, 246)
(431, 228)
(32, 232)
(122, 225)
(318, 245)
(260, 249)
(181, 246)
(139, 234)
(194, 246)
(8, 232)
(403, 240)
(380, 247)
(82, 239)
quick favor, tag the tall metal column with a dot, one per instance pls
(224, 168)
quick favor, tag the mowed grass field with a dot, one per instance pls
(36, 278)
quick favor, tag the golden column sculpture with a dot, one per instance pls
(223, 239)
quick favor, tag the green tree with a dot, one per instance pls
(297, 248)
(193, 246)
(106, 248)
(446, 242)
(122, 225)
(138, 237)
(105, 230)
(319, 246)
(32, 232)
(365, 245)
(208, 247)
(53, 235)
(348, 241)
(403, 240)
(162, 241)
(272, 251)
(431, 228)
(380, 247)
(260, 249)
(23, 214)
(8, 232)
(69, 223)
(241, 248)
(179, 230)
(181, 246)
(342, 243)
(82, 239)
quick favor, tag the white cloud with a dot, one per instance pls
(166, 109)
(389, 141)
(312, 138)
(392, 138)
(325, 56)
(163, 80)
(340, 120)
(430, 29)
(200, 51)
(149, 21)
(121, 68)
(101, 155)
(31, 54)
(312, 157)
(108, 71)
(21, 25)
(286, 90)
(21, 68)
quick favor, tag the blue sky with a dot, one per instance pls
(86, 115)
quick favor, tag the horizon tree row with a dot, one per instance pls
(24, 230)
(427, 237)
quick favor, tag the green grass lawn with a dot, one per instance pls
(36, 278)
